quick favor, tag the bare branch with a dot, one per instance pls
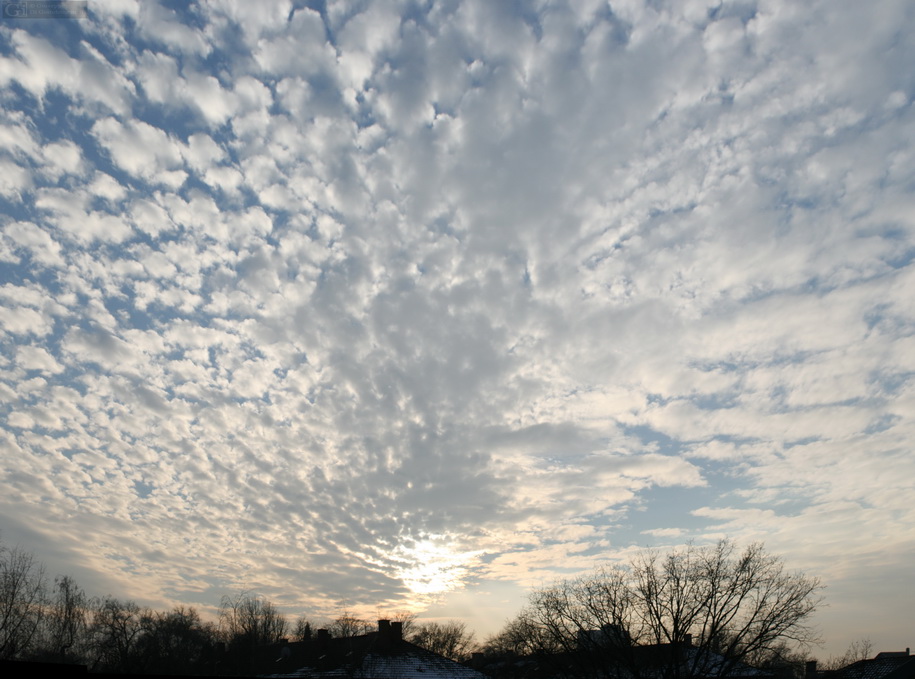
(717, 606)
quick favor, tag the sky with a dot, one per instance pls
(416, 305)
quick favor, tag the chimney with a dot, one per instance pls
(323, 638)
(389, 633)
(810, 669)
(688, 640)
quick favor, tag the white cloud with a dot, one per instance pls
(36, 358)
(62, 157)
(16, 135)
(14, 179)
(162, 24)
(69, 214)
(301, 49)
(24, 321)
(202, 152)
(90, 79)
(460, 285)
(211, 99)
(138, 148)
(150, 217)
(105, 186)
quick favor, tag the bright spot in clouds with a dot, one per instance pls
(392, 304)
(435, 568)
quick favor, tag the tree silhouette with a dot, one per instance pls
(450, 639)
(115, 632)
(65, 621)
(695, 612)
(251, 620)
(22, 601)
(175, 642)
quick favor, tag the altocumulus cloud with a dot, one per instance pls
(373, 302)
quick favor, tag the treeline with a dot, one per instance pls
(45, 620)
(56, 621)
(728, 608)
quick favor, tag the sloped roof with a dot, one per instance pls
(407, 662)
(648, 661)
(368, 656)
(884, 666)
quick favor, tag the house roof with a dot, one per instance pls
(659, 659)
(884, 666)
(647, 661)
(378, 655)
(406, 663)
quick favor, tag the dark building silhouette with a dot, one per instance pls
(886, 665)
(383, 654)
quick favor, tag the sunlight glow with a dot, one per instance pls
(434, 567)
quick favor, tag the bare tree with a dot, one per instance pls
(22, 601)
(303, 629)
(246, 622)
(698, 611)
(66, 619)
(114, 632)
(862, 649)
(784, 661)
(519, 637)
(347, 625)
(406, 619)
(251, 620)
(175, 642)
(451, 639)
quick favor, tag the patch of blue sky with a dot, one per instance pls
(621, 30)
(722, 366)
(745, 11)
(668, 507)
(902, 256)
(124, 308)
(882, 423)
(656, 440)
(664, 512)
(187, 14)
(654, 212)
(57, 117)
(143, 489)
(738, 364)
(670, 512)
(655, 400)
(65, 35)
(891, 383)
(365, 114)
(717, 401)
(27, 270)
(881, 315)
(325, 96)
(805, 441)
(16, 98)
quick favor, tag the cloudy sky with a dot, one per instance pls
(416, 305)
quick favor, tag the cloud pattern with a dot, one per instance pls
(369, 302)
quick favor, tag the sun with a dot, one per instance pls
(434, 566)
